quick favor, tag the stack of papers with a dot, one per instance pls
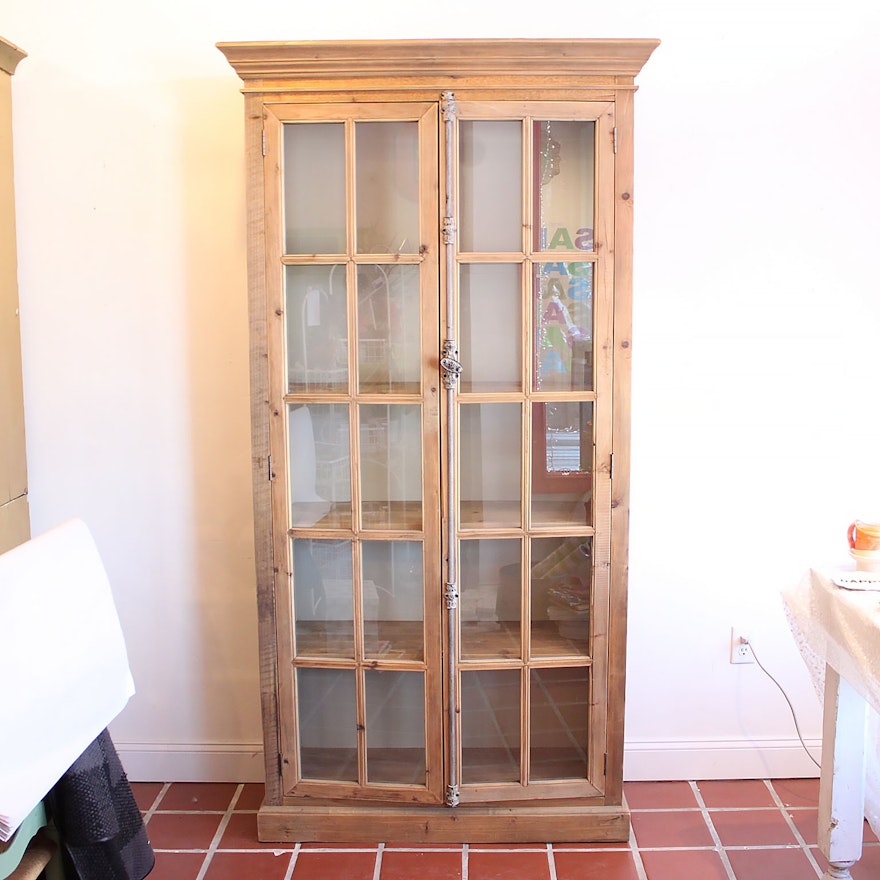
(63, 663)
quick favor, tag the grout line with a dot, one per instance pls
(794, 830)
(641, 873)
(156, 801)
(719, 847)
(633, 844)
(221, 829)
(292, 864)
(465, 855)
(377, 865)
(696, 809)
(551, 862)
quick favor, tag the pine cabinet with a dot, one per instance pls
(439, 244)
(14, 515)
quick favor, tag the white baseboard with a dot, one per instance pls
(719, 759)
(643, 761)
(192, 762)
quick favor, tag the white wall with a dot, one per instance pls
(755, 356)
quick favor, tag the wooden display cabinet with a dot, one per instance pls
(439, 267)
(14, 513)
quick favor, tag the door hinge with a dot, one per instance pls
(605, 765)
(265, 148)
(611, 468)
(269, 466)
(614, 132)
(281, 765)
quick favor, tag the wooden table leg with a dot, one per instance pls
(842, 780)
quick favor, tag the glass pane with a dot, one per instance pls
(490, 197)
(326, 701)
(314, 188)
(395, 727)
(562, 462)
(393, 599)
(323, 602)
(317, 331)
(565, 166)
(561, 582)
(391, 466)
(491, 327)
(387, 174)
(389, 329)
(490, 465)
(320, 482)
(560, 716)
(491, 599)
(490, 726)
(564, 326)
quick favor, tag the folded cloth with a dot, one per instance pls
(62, 656)
(98, 820)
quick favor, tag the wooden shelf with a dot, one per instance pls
(403, 641)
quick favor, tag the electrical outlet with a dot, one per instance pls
(740, 650)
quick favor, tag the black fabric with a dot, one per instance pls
(98, 820)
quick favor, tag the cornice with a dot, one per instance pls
(10, 55)
(369, 59)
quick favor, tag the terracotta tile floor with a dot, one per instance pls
(729, 830)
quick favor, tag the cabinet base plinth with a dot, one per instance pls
(368, 824)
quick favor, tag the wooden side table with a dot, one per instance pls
(838, 630)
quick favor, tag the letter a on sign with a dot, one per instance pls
(561, 238)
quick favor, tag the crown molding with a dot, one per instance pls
(10, 55)
(563, 60)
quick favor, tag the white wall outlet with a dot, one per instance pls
(740, 650)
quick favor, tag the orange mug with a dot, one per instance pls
(863, 535)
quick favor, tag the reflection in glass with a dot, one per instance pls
(490, 603)
(393, 599)
(560, 714)
(388, 328)
(565, 158)
(317, 330)
(391, 465)
(561, 593)
(562, 462)
(323, 602)
(326, 700)
(490, 726)
(387, 175)
(491, 327)
(395, 727)
(319, 465)
(564, 326)
(490, 464)
(490, 200)
(568, 437)
(314, 188)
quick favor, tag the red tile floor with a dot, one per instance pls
(720, 830)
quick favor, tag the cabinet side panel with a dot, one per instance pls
(15, 524)
(259, 373)
(13, 469)
(623, 221)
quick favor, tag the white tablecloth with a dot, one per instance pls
(63, 663)
(841, 627)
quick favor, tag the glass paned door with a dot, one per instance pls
(357, 484)
(531, 431)
(445, 558)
